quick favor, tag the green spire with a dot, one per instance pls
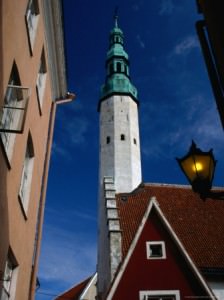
(117, 66)
(116, 17)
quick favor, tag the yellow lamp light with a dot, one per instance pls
(198, 167)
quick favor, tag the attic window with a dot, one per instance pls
(155, 250)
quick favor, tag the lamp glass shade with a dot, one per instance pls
(198, 167)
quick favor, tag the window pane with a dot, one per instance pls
(26, 176)
(41, 79)
(7, 278)
(156, 250)
(4, 295)
(32, 20)
(10, 113)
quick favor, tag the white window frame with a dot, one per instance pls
(41, 80)
(7, 120)
(12, 116)
(32, 18)
(145, 295)
(155, 243)
(9, 278)
(26, 177)
(13, 112)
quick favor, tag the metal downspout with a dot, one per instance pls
(39, 227)
(211, 68)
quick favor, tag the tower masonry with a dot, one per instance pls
(119, 129)
(120, 160)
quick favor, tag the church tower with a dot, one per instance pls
(119, 128)
(120, 160)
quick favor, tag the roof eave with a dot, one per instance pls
(54, 36)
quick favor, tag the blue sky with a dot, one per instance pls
(176, 106)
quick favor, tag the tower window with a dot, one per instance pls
(108, 139)
(119, 67)
(125, 70)
(122, 137)
(135, 142)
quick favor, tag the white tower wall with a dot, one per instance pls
(119, 142)
(120, 161)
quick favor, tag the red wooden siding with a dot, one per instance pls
(172, 273)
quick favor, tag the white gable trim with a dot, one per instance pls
(131, 249)
(186, 255)
(89, 285)
(153, 203)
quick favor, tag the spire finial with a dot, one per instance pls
(116, 16)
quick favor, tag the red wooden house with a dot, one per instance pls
(168, 242)
(172, 246)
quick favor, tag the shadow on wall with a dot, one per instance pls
(4, 226)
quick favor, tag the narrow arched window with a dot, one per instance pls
(135, 142)
(125, 70)
(119, 67)
(32, 14)
(26, 177)
(41, 79)
(122, 137)
(108, 139)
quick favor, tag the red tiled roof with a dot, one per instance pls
(75, 292)
(198, 224)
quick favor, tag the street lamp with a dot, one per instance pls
(199, 167)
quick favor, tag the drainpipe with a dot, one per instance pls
(40, 217)
(211, 67)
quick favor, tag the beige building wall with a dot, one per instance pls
(19, 222)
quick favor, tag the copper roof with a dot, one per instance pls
(199, 224)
